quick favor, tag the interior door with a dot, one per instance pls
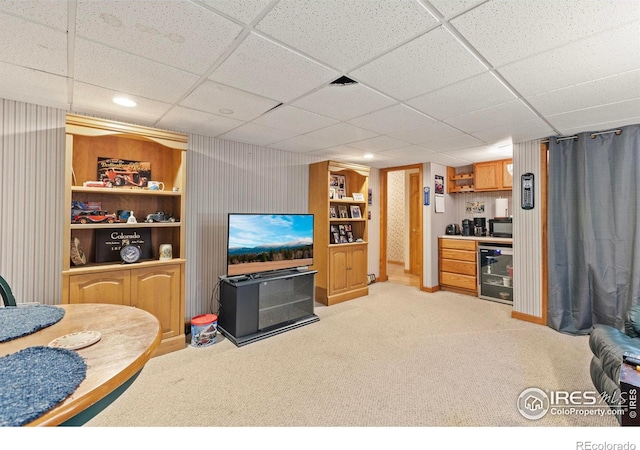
(415, 233)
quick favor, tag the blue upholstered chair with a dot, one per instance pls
(5, 291)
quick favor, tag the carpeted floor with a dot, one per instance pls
(396, 358)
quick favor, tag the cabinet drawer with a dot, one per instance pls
(462, 267)
(460, 255)
(457, 280)
(460, 244)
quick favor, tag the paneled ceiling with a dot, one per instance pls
(445, 81)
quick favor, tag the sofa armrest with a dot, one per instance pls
(608, 344)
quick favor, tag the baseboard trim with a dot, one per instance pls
(528, 318)
(431, 289)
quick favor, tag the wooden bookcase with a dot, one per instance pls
(341, 266)
(154, 285)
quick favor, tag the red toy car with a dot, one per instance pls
(94, 216)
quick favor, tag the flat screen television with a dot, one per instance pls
(267, 242)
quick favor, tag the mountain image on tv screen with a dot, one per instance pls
(265, 242)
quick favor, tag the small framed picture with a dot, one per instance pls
(341, 228)
(347, 227)
(358, 196)
(355, 212)
(334, 228)
(332, 193)
(332, 212)
(343, 239)
(349, 236)
(341, 193)
(335, 238)
(343, 212)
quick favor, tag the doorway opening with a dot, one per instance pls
(401, 230)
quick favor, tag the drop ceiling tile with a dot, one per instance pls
(252, 133)
(339, 152)
(219, 99)
(87, 96)
(392, 119)
(593, 58)
(379, 143)
(294, 119)
(483, 153)
(423, 65)
(504, 114)
(33, 86)
(114, 69)
(244, 11)
(449, 8)
(342, 133)
(612, 89)
(408, 152)
(52, 14)
(32, 45)
(596, 116)
(518, 132)
(505, 31)
(197, 122)
(413, 155)
(358, 30)
(344, 102)
(428, 133)
(177, 33)
(302, 144)
(478, 92)
(602, 126)
(454, 143)
(268, 69)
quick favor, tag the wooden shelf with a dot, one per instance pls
(124, 191)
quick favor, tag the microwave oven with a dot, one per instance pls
(501, 228)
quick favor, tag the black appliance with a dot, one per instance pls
(480, 226)
(453, 228)
(495, 273)
(467, 226)
(501, 228)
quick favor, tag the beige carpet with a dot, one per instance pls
(398, 357)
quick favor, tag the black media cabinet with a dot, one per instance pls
(254, 308)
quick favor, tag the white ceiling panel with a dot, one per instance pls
(472, 94)
(32, 45)
(198, 122)
(393, 119)
(245, 11)
(379, 143)
(423, 65)
(444, 75)
(302, 143)
(449, 8)
(177, 33)
(483, 153)
(589, 94)
(454, 143)
(33, 86)
(613, 112)
(265, 68)
(504, 114)
(342, 133)
(529, 27)
(219, 99)
(257, 134)
(85, 96)
(117, 70)
(517, 132)
(589, 59)
(359, 30)
(344, 102)
(294, 119)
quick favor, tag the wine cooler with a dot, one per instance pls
(495, 273)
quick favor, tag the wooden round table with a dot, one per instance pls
(129, 339)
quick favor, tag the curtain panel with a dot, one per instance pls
(593, 230)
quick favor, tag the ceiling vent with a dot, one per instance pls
(343, 81)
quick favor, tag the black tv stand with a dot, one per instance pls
(254, 308)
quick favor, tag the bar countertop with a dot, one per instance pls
(483, 239)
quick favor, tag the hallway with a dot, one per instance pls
(397, 274)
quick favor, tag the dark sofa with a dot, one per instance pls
(608, 344)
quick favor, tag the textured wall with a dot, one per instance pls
(396, 212)
(31, 200)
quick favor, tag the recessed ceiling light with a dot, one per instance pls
(225, 111)
(123, 101)
(368, 156)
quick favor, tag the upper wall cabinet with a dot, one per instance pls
(494, 175)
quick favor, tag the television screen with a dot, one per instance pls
(266, 242)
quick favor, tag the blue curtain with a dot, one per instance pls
(593, 230)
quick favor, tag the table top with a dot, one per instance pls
(129, 339)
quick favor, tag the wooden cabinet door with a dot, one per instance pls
(107, 287)
(157, 290)
(338, 265)
(357, 269)
(487, 175)
(507, 173)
